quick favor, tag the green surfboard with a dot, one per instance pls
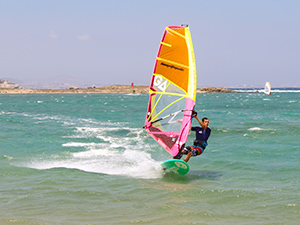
(176, 166)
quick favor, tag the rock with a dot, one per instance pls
(214, 90)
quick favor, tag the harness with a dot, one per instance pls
(200, 143)
(197, 148)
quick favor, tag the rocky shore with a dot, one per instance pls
(113, 89)
(214, 90)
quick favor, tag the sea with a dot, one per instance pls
(86, 159)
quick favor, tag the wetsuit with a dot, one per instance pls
(200, 143)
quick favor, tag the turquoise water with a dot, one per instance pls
(85, 159)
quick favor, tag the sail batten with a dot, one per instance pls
(174, 32)
(168, 93)
(157, 75)
(166, 108)
(166, 44)
(172, 90)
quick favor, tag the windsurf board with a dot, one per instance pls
(176, 166)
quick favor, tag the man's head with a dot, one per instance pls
(205, 120)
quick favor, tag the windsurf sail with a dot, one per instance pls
(267, 89)
(172, 90)
(132, 88)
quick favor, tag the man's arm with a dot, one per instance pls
(203, 125)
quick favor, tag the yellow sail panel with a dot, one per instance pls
(192, 64)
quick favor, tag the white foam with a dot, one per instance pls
(116, 149)
(79, 144)
(132, 163)
(131, 137)
(262, 91)
(255, 128)
(258, 129)
(70, 121)
(8, 157)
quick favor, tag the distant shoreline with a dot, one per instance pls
(113, 89)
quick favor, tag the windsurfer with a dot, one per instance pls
(202, 135)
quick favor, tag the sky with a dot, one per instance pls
(237, 43)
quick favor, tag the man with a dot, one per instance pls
(202, 135)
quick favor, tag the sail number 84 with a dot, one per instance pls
(160, 83)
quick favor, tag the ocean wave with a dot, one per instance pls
(109, 134)
(258, 129)
(78, 144)
(70, 121)
(273, 91)
(6, 157)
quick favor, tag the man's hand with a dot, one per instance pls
(194, 113)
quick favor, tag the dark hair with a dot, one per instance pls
(204, 118)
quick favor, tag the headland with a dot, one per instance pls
(112, 89)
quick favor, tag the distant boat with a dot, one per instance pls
(267, 89)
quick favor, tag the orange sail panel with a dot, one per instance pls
(172, 90)
(173, 60)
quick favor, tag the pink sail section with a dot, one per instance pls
(172, 90)
(186, 125)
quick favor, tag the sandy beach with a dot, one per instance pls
(113, 89)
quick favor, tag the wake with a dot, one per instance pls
(119, 150)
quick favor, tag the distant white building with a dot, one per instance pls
(10, 85)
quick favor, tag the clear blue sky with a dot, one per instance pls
(97, 42)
